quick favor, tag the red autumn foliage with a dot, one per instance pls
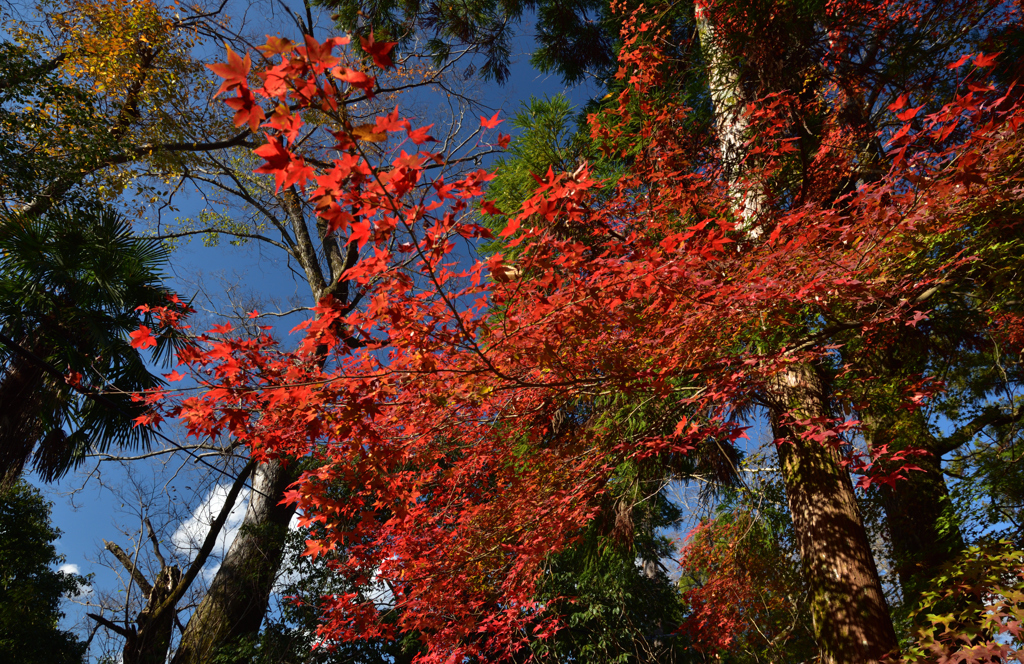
(737, 587)
(437, 422)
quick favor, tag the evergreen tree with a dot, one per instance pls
(30, 589)
(72, 283)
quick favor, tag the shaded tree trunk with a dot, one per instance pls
(148, 644)
(147, 641)
(923, 529)
(236, 603)
(848, 609)
(21, 406)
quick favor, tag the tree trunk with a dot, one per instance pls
(149, 641)
(923, 529)
(849, 612)
(21, 405)
(237, 600)
(848, 609)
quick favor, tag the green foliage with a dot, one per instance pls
(289, 634)
(30, 589)
(577, 39)
(549, 138)
(611, 591)
(483, 25)
(71, 283)
(38, 114)
(975, 608)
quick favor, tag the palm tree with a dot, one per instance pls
(71, 284)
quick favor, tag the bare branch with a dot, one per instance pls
(113, 627)
(129, 565)
(211, 539)
(156, 544)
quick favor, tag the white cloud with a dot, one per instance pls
(71, 568)
(189, 536)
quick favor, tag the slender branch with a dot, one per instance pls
(156, 544)
(207, 547)
(220, 231)
(113, 627)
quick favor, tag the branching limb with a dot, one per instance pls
(208, 544)
(991, 416)
(113, 627)
(129, 565)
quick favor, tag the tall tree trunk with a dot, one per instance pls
(923, 529)
(236, 603)
(849, 612)
(848, 609)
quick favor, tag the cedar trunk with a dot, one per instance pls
(850, 616)
(236, 602)
(922, 526)
(849, 612)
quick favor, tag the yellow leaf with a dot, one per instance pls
(365, 132)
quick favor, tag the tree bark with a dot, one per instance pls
(20, 406)
(848, 609)
(149, 641)
(236, 603)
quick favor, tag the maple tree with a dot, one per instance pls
(702, 286)
(107, 100)
(744, 593)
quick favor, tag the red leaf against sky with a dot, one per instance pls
(420, 136)
(235, 72)
(142, 338)
(491, 122)
(379, 51)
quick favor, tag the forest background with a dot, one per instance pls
(109, 106)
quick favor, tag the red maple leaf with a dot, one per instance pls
(356, 79)
(320, 54)
(379, 51)
(277, 46)
(142, 338)
(360, 233)
(235, 72)
(490, 123)
(247, 111)
(420, 136)
(983, 60)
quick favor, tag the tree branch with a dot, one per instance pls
(156, 544)
(207, 547)
(113, 627)
(991, 416)
(126, 560)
